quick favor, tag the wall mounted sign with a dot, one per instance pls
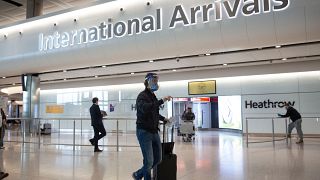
(55, 109)
(200, 99)
(267, 104)
(181, 99)
(202, 87)
(230, 112)
(215, 11)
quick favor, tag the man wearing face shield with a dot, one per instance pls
(147, 126)
(296, 121)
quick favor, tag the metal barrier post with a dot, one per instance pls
(273, 141)
(59, 127)
(39, 131)
(24, 132)
(74, 135)
(286, 121)
(81, 127)
(247, 132)
(117, 135)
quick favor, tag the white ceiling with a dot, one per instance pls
(10, 13)
(296, 53)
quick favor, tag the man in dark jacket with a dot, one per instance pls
(147, 126)
(97, 124)
(296, 122)
(188, 115)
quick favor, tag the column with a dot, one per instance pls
(31, 101)
(34, 8)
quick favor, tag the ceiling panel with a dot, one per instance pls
(314, 49)
(294, 52)
(246, 58)
(4, 6)
(12, 14)
(266, 54)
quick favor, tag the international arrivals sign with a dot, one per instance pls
(215, 11)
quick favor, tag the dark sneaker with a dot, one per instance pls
(135, 176)
(98, 150)
(299, 142)
(91, 141)
(3, 175)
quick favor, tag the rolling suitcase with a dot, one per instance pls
(167, 169)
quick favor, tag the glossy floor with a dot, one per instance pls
(213, 156)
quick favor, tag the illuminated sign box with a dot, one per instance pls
(202, 87)
(55, 109)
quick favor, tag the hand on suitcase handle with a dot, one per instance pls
(168, 121)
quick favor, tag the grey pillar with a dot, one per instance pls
(31, 101)
(34, 8)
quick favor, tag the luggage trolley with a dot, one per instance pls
(187, 130)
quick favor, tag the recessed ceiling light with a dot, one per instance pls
(132, 73)
(278, 46)
(208, 54)
(104, 66)
(64, 79)
(284, 59)
(174, 70)
(64, 70)
(3, 77)
(151, 61)
(96, 76)
(225, 64)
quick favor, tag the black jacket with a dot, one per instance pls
(96, 116)
(148, 111)
(188, 116)
(292, 113)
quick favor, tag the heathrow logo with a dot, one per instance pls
(267, 104)
(216, 11)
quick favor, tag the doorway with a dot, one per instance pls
(201, 107)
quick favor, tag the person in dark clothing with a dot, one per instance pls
(188, 115)
(3, 126)
(147, 126)
(97, 124)
(296, 122)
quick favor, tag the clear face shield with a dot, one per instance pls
(153, 83)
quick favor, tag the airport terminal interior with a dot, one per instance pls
(237, 83)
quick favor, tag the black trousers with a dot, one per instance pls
(99, 132)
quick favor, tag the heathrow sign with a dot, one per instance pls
(216, 11)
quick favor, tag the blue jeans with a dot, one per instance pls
(150, 145)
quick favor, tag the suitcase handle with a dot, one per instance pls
(164, 131)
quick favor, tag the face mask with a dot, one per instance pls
(153, 84)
